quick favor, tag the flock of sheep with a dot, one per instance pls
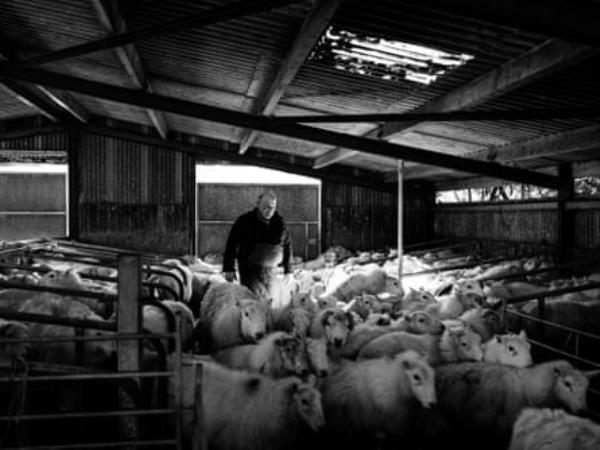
(344, 356)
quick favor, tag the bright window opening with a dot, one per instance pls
(495, 194)
(206, 174)
(384, 58)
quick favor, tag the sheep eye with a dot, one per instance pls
(421, 320)
(511, 349)
(304, 402)
(417, 379)
(568, 384)
(464, 344)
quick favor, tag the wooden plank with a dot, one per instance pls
(565, 219)
(74, 180)
(113, 22)
(584, 138)
(311, 30)
(129, 309)
(552, 55)
(400, 234)
(240, 119)
(333, 156)
(219, 14)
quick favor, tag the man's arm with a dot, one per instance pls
(231, 248)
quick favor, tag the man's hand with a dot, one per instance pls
(230, 276)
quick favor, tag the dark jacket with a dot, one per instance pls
(253, 241)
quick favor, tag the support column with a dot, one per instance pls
(400, 217)
(73, 177)
(565, 226)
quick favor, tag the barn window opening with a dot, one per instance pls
(508, 192)
(384, 58)
(234, 174)
(587, 187)
(33, 200)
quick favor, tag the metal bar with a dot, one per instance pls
(66, 321)
(583, 262)
(553, 293)
(222, 13)
(120, 444)
(56, 290)
(443, 247)
(453, 116)
(459, 266)
(91, 415)
(555, 325)
(88, 376)
(115, 337)
(240, 119)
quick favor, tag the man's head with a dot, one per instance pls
(266, 204)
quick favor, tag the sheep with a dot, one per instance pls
(97, 353)
(376, 398)
(294, 320)
(221, 295)
(479, 402)
(182, 272)
(455, 344)
(485, 322)
(510, 349)
(15, 330)
(372, 282)
(365, 304)
(316, 353)
(553, 429)
(416, 322)
(154, 320)
(245, 321)
(277, 355)
(333, 324)
(245, 411)
(417, 300)
(464, 295)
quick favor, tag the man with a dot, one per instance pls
(260, 242)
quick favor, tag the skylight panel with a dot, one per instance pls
(384, 58)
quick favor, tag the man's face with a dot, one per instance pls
(266, 207)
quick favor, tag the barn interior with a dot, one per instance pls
(432, 139)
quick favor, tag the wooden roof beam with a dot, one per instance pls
(312, 28)
(112, 21)
(223, 13)
(54, 105)
(552, 55)
(266, 124)
(584, 138)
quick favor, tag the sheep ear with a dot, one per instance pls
(311, 379)
(498, 339)
(523, 334)
(350, 320)
(325, 317)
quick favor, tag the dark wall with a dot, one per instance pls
(220, 204)
(533, 222)
(135, 196)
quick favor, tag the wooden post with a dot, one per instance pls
(565, 227)
(400, 217)
(73, 177)
(128, 321)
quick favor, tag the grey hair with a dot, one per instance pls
(269, 194)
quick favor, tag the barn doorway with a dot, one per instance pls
(224, 192)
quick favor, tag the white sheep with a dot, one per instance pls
(293, 320)
(155, 321)
(243, 322)
(10, 329)
(245, 411)
(372, 282)
(510, 349)
(277, 355)
(334, 324)
(316, 353)
(480, 402)
(553, 429)
(376, 398)
(221, 295)
(455, 344)
(484, 321)
(416, 322)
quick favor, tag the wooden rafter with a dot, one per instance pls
(220, 14)
(240, 119)
(54, 105)
(539, 62)
(311, 30)
(584, 138)
(112, 21)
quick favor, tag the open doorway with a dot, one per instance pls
(224, 192)
(33, 201)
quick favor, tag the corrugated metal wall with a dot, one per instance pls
(366, 219)
(32, 205)
(219, 205)
(135, 196)
(521, 222)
